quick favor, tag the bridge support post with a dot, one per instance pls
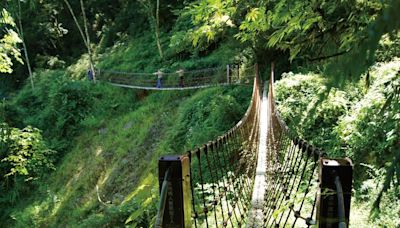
(333, 205)
(175, 194)
(227, 74)
(237, 73)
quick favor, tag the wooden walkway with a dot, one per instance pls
(256, 217)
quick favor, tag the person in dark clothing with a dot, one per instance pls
(90, 75)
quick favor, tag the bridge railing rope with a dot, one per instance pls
(212, 185)
(220, 173)
(294, 188)
(223, 75)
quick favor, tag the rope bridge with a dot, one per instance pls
(258, 174)
(220, 174)
(292, 189)
(185, 80)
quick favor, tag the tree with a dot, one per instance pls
(85, 36)
(312, 31)
(8, 43)
(16, 10)
(154, 21)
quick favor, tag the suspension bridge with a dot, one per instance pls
(257, 174)
(179, 80)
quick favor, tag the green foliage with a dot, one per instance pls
(24, 153)
(131, 57)
(209, 19)
(116, 215)
(389, 47)
(99, 155)
(8, 42)
(90, 125)
(362, 51)
(370, 131)
(364, 122)
(336, 34)
(354, 121)
(58, 106)
(24, 160)
(201, 113)
(299, 100)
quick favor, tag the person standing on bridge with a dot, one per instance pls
(90, 75)
(181, 72)
(159, 74)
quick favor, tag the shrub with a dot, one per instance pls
(208, 114)
(389, 47)
(24, 153)
(24, 160)
(354, 121)
(60, 106)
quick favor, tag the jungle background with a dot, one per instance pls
(82, 154)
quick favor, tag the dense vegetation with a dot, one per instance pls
(111, 139)
(84, 154)
(357, 122)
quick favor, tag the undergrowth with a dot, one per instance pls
(112, 140)
(359, 120)
(107, 140)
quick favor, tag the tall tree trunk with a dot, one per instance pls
(157, 30)
(85, 38)
(154, 22)
(21, 34)
(88, 41)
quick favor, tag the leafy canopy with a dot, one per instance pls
(306, 30)
(8, 42)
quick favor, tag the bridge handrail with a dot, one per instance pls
(214, 164)
(163, 200)
(212, 184)
(192, 79)
(295, 154)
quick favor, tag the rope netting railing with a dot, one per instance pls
(292, 183)
(222, 172)
(179, 80)
(218, 184)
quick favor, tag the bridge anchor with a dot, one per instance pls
(335, 176)
(174, 180)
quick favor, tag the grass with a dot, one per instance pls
(119, 155)
(109, 139)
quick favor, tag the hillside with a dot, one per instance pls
(109, 176)
(81, 153)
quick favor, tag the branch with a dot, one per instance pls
(390, 172)
(328, 56)
(85, 23)
(98, 197)
(77, 23)
(21, 32)
(88, 41)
